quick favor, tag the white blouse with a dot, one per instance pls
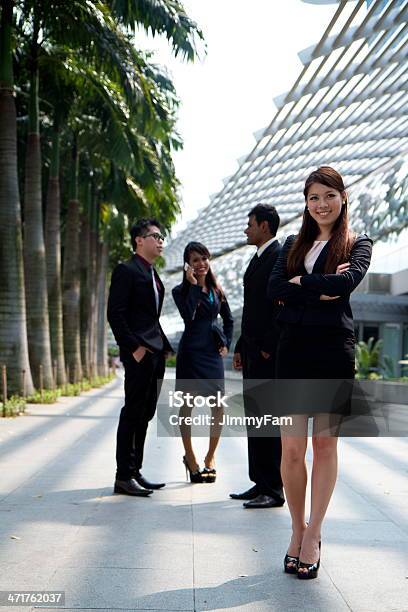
(313, 254)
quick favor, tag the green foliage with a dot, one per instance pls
(99, 381)
(112, 100)
(367, 357)
(48, 396)
(113, 351)
(166, 17)
(171, 361)
(374, 376)
(107, 117)
(15, 405)
(370, 364)
(71, 390)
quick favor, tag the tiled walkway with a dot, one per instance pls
(188, 547)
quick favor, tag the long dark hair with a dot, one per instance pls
(342, 238)
(210, 280)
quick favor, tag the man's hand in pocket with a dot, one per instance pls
(139, 353)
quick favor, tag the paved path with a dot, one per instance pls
(188, 547)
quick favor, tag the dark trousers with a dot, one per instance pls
(142, 387)
(264, 453)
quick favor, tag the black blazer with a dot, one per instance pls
(259, 330)
(302, 304)
(200, 318)
(132, 312)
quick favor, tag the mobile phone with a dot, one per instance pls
(186, 267)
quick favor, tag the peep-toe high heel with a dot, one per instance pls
(312, 568)
(293, 568)
(209, 474)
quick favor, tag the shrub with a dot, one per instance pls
(15, 405)
(48, 396)
(367, 357)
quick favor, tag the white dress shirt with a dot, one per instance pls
(264, 246)
(313, 254)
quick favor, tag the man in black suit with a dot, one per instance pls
(255, 356)
(134, 306)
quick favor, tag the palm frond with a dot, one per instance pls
(166, 17)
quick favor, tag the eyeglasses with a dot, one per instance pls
(154, 235)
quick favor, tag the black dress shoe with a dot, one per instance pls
(252, 493)
(130, 487)
(146, 484)
(264, 501)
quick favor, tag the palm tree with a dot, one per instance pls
(41, 18)
(85, 295)
(92, 272)
(34, 246)
(13, 334)
(53, 253)
(122, 122)
(109, 50)
(126, 165)
(71, 275)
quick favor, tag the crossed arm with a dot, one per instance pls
(316, 287)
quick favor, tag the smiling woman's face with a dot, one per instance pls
(324, 204)
(199, 263)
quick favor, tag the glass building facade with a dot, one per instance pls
(348, 108)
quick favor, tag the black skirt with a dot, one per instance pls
(200, 372)
(315, 369)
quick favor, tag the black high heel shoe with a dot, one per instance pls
(290, 569)
(194, 476)
(209, 474)
(312, 568)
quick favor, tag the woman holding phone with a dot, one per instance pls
(314, 276)
(199, 368)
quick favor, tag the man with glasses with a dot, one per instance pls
(135, 301)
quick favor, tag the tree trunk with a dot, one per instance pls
(85, 294)
(102, 329)
(34, 248)
(71, 283)
(53, 259)
(92, 283)
(13, 331)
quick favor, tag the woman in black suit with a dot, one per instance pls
(314, 276)
(202, 347)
